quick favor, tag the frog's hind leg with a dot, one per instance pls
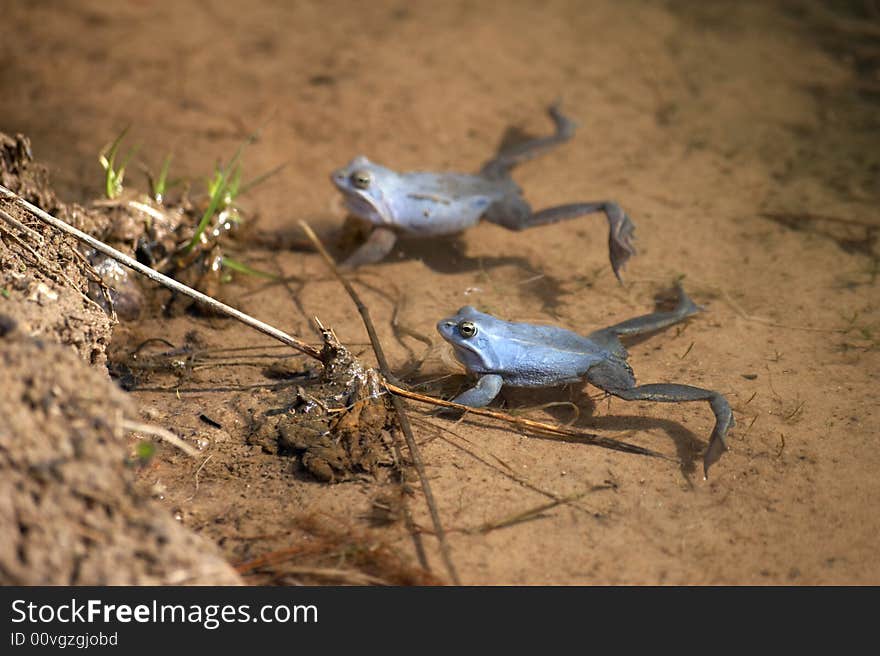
(379, 243)
(615, 376)
(515, 214)
(620, 227)
(500, 165)
(649, 323)
(675, 393)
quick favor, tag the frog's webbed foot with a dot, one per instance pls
(675, 393)
(481, 394)
(500, 165)
(377, 246)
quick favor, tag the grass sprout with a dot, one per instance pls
(234, 265)
(224, 187)
(222, 190)
(113, 176)
(161, 184)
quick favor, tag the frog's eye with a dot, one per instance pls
(467, 329)
(361, 179)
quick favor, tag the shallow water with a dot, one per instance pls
(742, 139)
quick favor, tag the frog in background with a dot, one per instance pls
(426, 204)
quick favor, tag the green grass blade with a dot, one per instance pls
(161, 185)
(260, 179)
(107, 159)
(219, 190)
(241, 267)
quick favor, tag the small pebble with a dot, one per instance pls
(7, 325)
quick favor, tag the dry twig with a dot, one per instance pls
(536, 512)
(530, 424)
(162, 433)
(395, 399)
(155, 276)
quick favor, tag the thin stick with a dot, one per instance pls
(18, 225)
(537, 426)
(685, 354)
(39, 259)
(201, 467)
(395, 399)
(154, 275)
(158, 431)
(794, 412)
(534, 513)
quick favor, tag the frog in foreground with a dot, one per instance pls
(424, 204)
(525, 355)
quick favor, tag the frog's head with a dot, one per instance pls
(473, 336)
(367, 188)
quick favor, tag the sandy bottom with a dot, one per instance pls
(741, 138)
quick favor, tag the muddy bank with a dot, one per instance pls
(71, 512)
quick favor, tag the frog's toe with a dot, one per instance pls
(620, 239)
(724, 421)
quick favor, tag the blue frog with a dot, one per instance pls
(501, 353)
(425, 204)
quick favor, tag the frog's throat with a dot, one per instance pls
(475, 361)
(376, 211)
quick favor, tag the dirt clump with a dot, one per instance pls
(68, 506)
(331, 444)
(43, 276)
(70, 511)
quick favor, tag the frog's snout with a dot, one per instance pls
(338, 177)
(444, 326)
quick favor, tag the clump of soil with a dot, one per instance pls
(333, 444)
(44, 284)
(69, 512)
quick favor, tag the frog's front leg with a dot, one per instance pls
(517, 215)
(481, 394)
(378, 244)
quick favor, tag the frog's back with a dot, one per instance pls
(443, 203)
(532, 355)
